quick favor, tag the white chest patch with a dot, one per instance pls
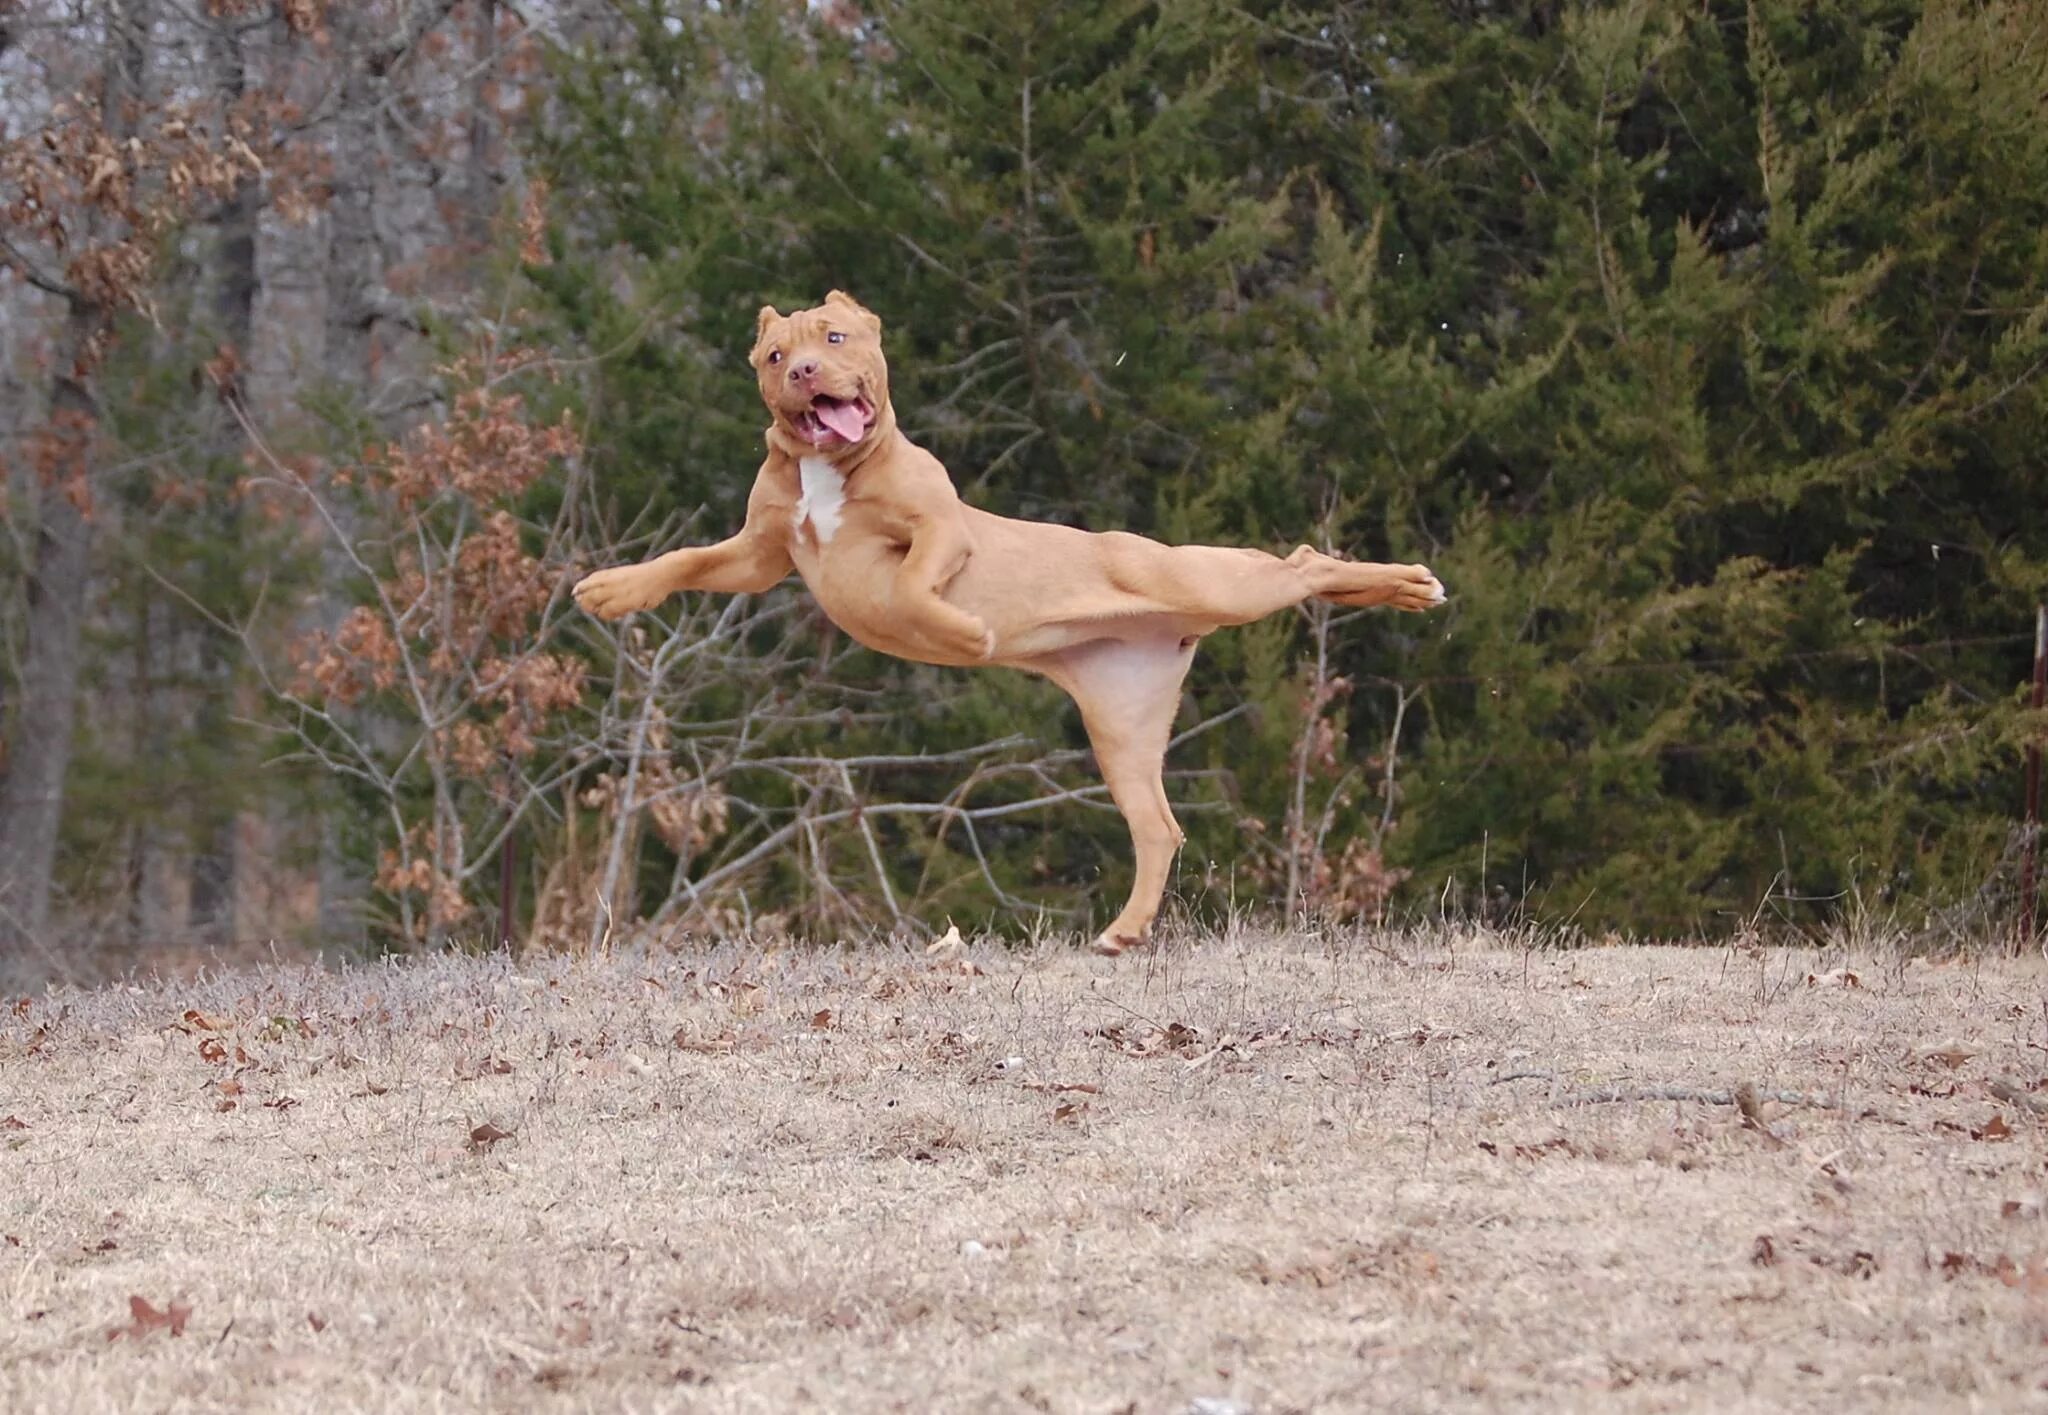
(824, 500)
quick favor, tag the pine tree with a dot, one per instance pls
(1698, 349)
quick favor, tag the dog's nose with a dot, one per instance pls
(806, 370)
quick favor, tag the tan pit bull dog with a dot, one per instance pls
(873, 524)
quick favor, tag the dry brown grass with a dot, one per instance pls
(1272, 1170)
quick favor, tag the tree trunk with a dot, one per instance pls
(32, 796)
(215, 864)
(45, 717)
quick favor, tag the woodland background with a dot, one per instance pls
(1698, 347)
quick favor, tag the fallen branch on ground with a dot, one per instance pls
(2013, 1092)
(1744, 1096)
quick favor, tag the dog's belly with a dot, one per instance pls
(1042, 588)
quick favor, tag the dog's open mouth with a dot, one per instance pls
(829, 420)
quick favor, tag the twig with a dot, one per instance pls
(2012, 1092)
(1608, 1095)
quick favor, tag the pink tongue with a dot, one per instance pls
(842, 418)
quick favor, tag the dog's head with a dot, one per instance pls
(822, 373)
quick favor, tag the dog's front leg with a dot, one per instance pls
(756, 559)
(939, 549)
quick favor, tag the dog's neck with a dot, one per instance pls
(847, 461)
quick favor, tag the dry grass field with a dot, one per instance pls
(1253, 1173)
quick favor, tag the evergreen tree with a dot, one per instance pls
(1698, 350)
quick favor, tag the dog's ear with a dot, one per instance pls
(846, 301)
(769, 314)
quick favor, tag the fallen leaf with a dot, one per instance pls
(1070, 1112)
(718, 1044)
(1763, 1252)
(1994, 1129)
(316, 1321)
(1839, 977)
(213, 1049)
(821, 1020)
(194, 1018)
(2031, 1278)
(13, 1122)
(281, 1102)
(486, 1135)
(1951, 1055)
(144, 1319)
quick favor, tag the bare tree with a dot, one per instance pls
(113, 157)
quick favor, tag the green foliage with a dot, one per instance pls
(1699, 349)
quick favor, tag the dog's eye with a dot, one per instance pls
(775, 356)
(835, 337)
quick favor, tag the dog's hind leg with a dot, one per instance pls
(1128, 691)
(1217, 586)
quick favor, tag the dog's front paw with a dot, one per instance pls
(1418, 589)
(612, 594)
